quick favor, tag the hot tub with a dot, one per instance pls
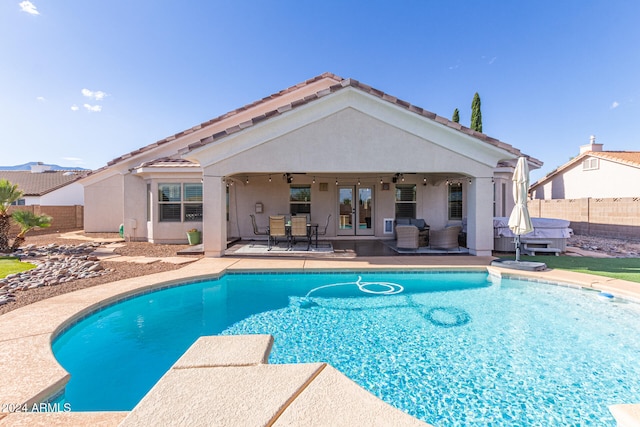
(552, 230)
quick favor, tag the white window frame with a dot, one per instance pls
(590, 163)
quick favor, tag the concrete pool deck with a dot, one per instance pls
(253, 392)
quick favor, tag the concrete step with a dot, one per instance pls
(533, 251)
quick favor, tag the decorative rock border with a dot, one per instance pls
(55, 264)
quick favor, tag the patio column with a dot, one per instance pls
(214, 216)
(480, 217)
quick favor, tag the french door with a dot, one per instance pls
(355, 210)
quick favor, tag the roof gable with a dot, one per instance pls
(278, 104)
(351, 83)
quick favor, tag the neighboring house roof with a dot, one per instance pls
(629, 158)
(39, 184)
(339, 85)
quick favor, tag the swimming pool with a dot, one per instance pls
(449, 348)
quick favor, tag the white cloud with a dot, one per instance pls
(40, 99)
(74, 107)
(97, 95)
(28, 7)
(615, 104)
(93, 108)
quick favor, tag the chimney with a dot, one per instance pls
(591, 146)
(40, 167)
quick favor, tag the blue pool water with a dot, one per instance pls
(453, 349)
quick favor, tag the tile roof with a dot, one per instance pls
(630, 158)
(342, 84)
(169, 162)
(38, 184)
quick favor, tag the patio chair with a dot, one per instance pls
(256, 230)
(322, 231)
(299, 230)
(446, 238)
(277, 230)
(407, 236)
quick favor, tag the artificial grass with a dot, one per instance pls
(11, 265)
(616, 268)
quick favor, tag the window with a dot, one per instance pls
(149, 201)
(590, 163)
(180, 202)
(193, 202)
(405, 201)
(19, 202)
(455, 201)
(300, 199)
(494, 199)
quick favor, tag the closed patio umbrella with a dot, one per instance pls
(520, 221)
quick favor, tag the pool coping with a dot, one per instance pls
(31, 374)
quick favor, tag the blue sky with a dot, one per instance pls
(82, 82)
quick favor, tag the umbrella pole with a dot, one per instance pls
(517, 241)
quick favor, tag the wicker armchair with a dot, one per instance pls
(446, 238)
(407, 236)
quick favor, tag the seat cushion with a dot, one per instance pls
(420, 223)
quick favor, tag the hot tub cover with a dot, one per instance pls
(549, 228)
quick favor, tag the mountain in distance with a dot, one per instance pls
(27, 167)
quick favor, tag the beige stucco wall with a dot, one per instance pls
(611, 179)
(104, 205)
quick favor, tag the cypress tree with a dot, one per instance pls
(476, 114)
(456, 116)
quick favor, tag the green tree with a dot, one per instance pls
(28, 221)
(476, 114)
(456, 116)
(9, 193)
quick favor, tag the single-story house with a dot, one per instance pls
(594, 173)
(327, 146)
(46, 187)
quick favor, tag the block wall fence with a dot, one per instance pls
(617, 217)
(65, 218)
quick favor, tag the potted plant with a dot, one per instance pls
(193, 236)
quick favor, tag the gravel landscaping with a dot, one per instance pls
(108, 271)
